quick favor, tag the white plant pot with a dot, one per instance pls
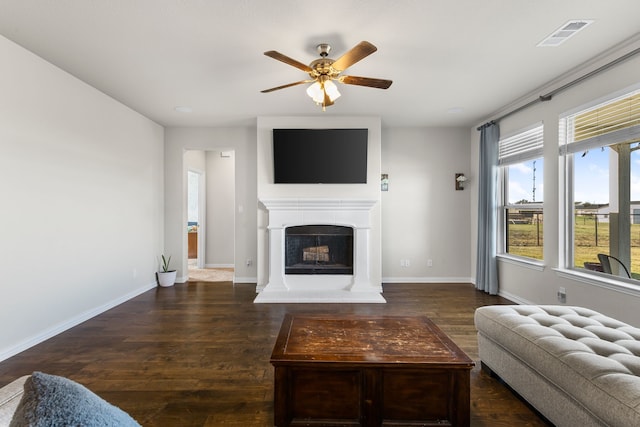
(166, 279)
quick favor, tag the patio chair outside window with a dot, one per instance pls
(605, 260)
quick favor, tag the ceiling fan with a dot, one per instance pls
(325, 70)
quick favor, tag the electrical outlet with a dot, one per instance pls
(407, 263)
(249, 262)
(562, 295)
(429, 263)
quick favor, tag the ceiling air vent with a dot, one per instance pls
(563, 33)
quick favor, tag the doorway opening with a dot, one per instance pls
(196, 203)
(210, 215)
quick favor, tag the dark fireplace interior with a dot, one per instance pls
(318, 249)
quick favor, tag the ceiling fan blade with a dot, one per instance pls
(286, 86)
(365, 81)
(284, 58)
(360, 51)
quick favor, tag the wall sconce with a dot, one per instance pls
(460, 180)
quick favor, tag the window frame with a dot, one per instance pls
(567, 153)
(528, 151)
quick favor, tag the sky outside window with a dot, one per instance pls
(521, 181)
(591, 184)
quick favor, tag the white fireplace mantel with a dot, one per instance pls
(355, 213)
(323, 204)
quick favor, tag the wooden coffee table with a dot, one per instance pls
(338, 370)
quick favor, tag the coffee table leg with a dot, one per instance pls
(462, 391)
(281, 416)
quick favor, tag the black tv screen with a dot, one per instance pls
(320, 156)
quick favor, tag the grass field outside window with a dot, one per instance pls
(591, 237)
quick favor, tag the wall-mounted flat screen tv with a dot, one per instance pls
(320, 156)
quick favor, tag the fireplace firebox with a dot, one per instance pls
(319, 249)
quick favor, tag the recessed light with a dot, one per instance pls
(455, 110)
(182, 109)
(562, 34)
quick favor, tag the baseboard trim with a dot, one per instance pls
(249, 280)
(70, 323)
(426, 280)
(515, 298)
(219, 266)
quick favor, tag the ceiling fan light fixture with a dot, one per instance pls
(316, 91)
(332, 90)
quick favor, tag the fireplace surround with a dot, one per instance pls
(352, 285)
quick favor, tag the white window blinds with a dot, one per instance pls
(614, 122)
(525, 145)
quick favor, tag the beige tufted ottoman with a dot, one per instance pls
(574, 365)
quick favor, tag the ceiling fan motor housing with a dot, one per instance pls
(322, 67)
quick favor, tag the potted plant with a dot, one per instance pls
(166, 277)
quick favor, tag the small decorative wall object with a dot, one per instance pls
(460, 180)
(384, 182)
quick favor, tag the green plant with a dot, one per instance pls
(165, 263)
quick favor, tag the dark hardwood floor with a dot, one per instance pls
(197, 354)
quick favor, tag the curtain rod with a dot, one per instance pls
(549, 96)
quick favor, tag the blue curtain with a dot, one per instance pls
(487, 265)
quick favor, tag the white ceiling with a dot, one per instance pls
(472, 56)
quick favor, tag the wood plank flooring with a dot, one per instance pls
(197, 354)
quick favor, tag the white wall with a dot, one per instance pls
(220, 209)
(195, 160)
(423, 216)
(242, 141)
(528, 285)
(81, 179)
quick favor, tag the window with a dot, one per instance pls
(599, 146)
(521, 196)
